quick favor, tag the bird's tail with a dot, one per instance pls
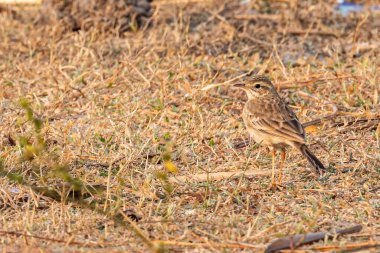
(313, 160)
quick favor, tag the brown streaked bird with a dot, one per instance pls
(272, 123)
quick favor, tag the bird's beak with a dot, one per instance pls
(239, 85)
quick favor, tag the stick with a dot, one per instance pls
(294, 241)
(314, 32)
(271, 17)
(213, 85)
(208, 245)
(348, 247)
(241, 144)
(216, 176)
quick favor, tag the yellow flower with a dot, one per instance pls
(170, 166)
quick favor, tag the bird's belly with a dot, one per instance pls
(267, 139)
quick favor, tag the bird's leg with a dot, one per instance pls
(273, 183)
(283, 156)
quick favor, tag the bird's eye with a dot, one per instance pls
(257, 86)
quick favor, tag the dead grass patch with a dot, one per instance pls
(112, 106)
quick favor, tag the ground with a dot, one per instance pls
(126, 113)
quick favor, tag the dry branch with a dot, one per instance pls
(352, 247)
(270, 17)
(294, 241)
(313, 32)
(216, 176)
(208, 245)
(228, 82)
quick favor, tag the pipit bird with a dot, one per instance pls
(272, 123)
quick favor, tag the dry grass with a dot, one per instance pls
(117, 108)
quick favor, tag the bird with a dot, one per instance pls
(271, 122)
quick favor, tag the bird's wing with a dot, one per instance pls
(274, 117)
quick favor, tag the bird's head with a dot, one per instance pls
(257, 86)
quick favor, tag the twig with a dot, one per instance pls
(372, 124)
(19, 234)
(66, 242)
(112, 163)
(255, 40)
(314, 32)
(294, 241)
(349, 123)
(352, 246)
(241, 144)
(216, 176)
(269, 17)
(213, 85)
(207, 245)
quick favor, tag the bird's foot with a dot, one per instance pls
(275, 186)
